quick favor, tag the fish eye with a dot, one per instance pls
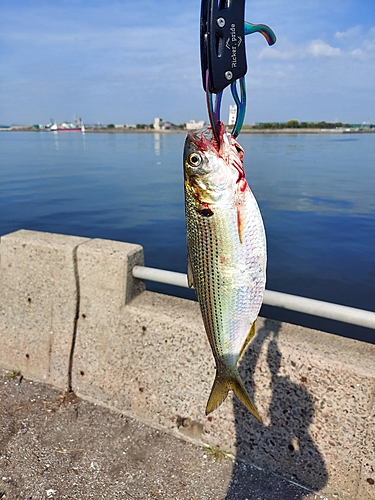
(195, 159)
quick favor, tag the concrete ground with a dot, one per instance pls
(54, 445)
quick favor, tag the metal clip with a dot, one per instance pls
(223, 55)
(222, 43)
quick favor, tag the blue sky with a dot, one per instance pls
(130, 61)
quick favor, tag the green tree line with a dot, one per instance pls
(297, 124)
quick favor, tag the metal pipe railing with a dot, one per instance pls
(305, 305)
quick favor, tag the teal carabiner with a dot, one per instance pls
(240, 100)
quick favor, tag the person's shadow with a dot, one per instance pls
(282, 445)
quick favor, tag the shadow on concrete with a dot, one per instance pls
(282, 444)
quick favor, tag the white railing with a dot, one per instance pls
(328, 310)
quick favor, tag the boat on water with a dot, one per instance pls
(76, 126)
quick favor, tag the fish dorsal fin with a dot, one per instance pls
(250, 335)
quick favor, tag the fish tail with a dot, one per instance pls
(222, 385)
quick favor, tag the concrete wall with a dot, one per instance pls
(73, 316)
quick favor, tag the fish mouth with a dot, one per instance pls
(202, 139)
(205, 140)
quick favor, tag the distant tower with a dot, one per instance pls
(157, 123)
(232, 115)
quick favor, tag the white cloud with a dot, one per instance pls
(318, 48)
(355, 31)
(356, 42)
(357, 53)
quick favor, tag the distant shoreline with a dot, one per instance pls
(182, 131)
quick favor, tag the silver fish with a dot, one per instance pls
(226, 254)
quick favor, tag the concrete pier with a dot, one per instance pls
(72, 316)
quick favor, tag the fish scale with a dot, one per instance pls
(227, 301)
(228, 275)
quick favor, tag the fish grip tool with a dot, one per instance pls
(223, 56)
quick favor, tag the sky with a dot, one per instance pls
(126, 62)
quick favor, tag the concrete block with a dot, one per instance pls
(106, 285)
(105, 277)
(150, 364)
(313, 390)
(38, 304)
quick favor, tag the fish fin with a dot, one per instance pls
(222, 385)
(239, 222)
(250, 335)
(241, 392)
(218, 394)
(190, 277)
(242, 187)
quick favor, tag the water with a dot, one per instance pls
(316, 194)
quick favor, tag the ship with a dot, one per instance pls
(76, 126)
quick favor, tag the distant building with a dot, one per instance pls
(157, 123)
(232, 115)
(160, 124)
(193, 125)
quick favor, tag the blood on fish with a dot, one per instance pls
(242, 184)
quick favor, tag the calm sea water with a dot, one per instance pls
(316, 194)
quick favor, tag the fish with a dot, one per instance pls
(226, 253)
